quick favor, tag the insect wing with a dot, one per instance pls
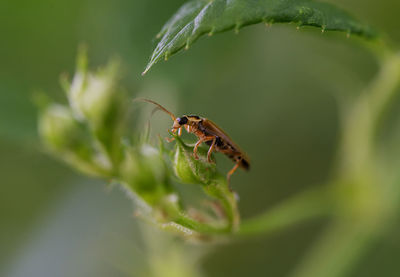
(214, 130)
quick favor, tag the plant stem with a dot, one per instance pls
(307, 205)
(369, 198)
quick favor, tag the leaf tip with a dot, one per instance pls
(187, 45)
(146, 70)
(237, 27)
(211, 32)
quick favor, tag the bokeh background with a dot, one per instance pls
(275, 90)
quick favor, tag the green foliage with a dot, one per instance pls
(200, 17)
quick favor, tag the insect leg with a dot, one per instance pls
(203, 139)
(188, 129)
(170, 139)
(174, 131)
(232, 171)
(211, 150)
(196, 146)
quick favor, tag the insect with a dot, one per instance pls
(209, 133)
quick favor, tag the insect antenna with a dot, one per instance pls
(158, 105)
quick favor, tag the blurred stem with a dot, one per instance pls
(360, 123)
(200, 227)
(169, 257)
(337, 250)
(307, 205)
(369, 199)
(221, 191)
(356, 149)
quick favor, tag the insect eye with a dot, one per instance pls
(182, 120)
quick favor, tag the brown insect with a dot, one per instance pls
(209, 133)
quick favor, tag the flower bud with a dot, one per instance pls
(93, 95)
(143, 170)
(95, 99)
(63, 134)
(191, 170)
(59, 129)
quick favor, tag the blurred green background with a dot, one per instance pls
(275, 90)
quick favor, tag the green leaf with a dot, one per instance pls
(199, 17)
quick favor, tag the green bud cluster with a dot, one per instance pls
(92, 135)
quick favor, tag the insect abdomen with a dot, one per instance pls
(227, 149)
(244, 164)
